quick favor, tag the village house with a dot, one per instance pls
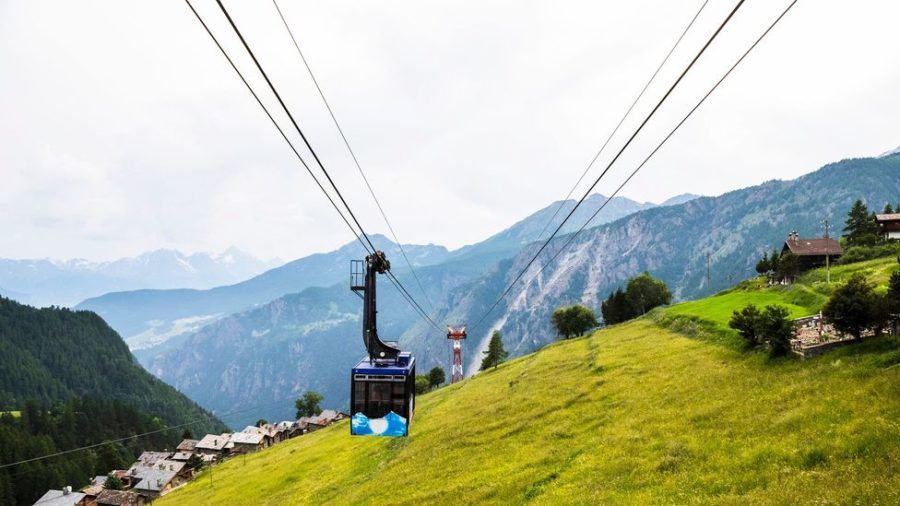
(812, 253)
(187, 445)
(151, 458)
(120, 498)
(159, 479)
(64, 497)
(888, 226)
(247, 443)
(213, 445)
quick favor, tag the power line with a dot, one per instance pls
(660, 145)
(352, 153)
(135, 436)
(622, 120)
(277, 126)
(613, 161)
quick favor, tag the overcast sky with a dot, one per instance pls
(124, 129)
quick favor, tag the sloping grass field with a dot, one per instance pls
(633, 414)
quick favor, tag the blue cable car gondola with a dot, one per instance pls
(382, 385)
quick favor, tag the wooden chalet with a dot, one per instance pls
(889, 225)
(812, 253)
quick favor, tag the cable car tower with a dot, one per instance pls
(457, 335)
(383, 384)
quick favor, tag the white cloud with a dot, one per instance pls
(125, 130)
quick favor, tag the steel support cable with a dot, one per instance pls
(352, 153)
(297, 127)
(622, 120)
(293, 121)
(416, 306)
(305, 140)
(660, 145)
(148, 433)
(277, 126)
(613, 161)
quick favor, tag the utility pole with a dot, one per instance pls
(827, 258)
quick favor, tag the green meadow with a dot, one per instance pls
(633, 414)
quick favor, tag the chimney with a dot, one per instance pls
(67, 490)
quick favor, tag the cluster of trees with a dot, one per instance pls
(573, 320)
(641, 294)
(856, 307)
(40, 429)
(777, 267)
(860, 228)
(770, 326)
(427, 382)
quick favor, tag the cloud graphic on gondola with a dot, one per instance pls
(391, 425)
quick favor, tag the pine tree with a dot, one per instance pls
(495, 353)
(764, 265)
(860, 228)
(888, 209)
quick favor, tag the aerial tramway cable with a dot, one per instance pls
(660, 145)
(368, 246)
(353, 154)
(277, 126)
(622, 120)
(613, 161)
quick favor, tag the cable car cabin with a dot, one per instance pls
(383, 396)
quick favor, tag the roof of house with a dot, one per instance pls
(154, 479)
(93, 490)
(142, 471)
(887, 217)
(99, 479)
(213, 441)
(246, 439)
(814, 247)
(60, 498)
(118, 498)
(187, 445)
(179, 456)
(150, 458)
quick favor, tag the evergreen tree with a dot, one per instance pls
(615, 309)
(748, 323)
(777, 328)
(860, 228)
(888, 209)
(850, 308)
(261, 422)
(764, 265)
(495, 353)
(436, 377)
(788, 267)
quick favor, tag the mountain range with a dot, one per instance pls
(45, 282)
(308, 340)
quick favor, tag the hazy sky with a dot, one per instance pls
(124, 129)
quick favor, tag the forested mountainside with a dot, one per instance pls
(671, 242)
(53, 354)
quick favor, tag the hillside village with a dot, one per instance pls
(156, 473)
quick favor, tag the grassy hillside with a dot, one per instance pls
(805, 297)
(632, 414)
